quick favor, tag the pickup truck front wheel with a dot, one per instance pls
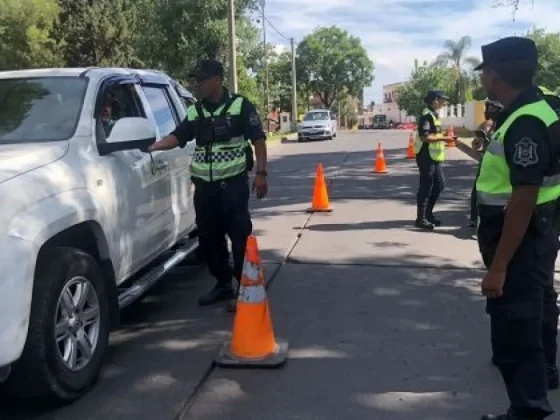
(68, 329)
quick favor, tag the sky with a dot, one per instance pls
(395, 32)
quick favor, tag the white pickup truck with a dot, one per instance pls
(88, 221)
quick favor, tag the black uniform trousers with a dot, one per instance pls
(524, 323)
(432, 183)
(222, 210)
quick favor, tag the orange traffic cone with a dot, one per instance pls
(380, 164)
(410, 150)
(451, 133)
(320, 201)
(252, 343)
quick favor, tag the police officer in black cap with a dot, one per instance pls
(224, 126)
(518, 185)
(429, 147)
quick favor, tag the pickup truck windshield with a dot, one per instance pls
(316, 116)
(40, 109)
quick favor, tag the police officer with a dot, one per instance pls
(554, 101)
(429, 147)
(491, 112)
(516, 190)
(222, 124)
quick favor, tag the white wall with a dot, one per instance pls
(392, 111)
(467, 115)
(459, 116)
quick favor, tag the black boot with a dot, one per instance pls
(421, 222)
(430, 218)
(430, 215)
(220, 293)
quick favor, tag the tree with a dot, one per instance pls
(175, 34)
(454, 57)
(330, 60)
(423, 78)
(548, 46)
(97, 33)
(25, 27)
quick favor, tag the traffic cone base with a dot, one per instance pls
(275, 359)
(252, 343)
(314, 210)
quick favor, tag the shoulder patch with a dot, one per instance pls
(526, 153)
(254, 119)
(426, 125)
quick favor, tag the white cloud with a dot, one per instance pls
(395, 32)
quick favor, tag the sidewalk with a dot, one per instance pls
(384, 322)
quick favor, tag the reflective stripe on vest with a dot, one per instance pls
(493, 185)
(436, 149)
(225, 159)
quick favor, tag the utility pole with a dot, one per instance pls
(294, 88)
(262, 3)
(232, 47)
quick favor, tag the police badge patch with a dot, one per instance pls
(254, 119)
(426, 126)
(526, 152)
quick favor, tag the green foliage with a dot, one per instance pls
(99, 33)
(422, 79)
(25, 27)
(330, 61)
(548, 45)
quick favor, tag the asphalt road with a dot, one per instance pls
(384, 321)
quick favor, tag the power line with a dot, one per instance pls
(280, 33)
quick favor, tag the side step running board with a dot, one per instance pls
(140, 286)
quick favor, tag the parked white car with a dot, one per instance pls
(89, 220)
(318, 124)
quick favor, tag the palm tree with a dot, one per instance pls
(454, 57)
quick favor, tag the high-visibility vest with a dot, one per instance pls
(436, 149)
(493, 185)
(224, 159)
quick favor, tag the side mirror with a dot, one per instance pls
(129, 134)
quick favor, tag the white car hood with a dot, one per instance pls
(19, 158)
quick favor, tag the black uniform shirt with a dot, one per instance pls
(527, 150)
(253, 127)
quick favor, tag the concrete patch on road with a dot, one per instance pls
(368, 343)
(381, 232)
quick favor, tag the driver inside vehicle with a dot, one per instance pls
(108, 114)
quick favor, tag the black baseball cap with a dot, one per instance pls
(507, 50)
(432, 95)
(206, 69)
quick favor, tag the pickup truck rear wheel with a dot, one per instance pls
(68, 331)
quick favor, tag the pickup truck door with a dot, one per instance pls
(162, 232)
(182, 188)
(138, 185)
